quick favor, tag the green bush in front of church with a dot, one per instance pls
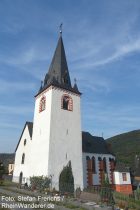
(66, 180)
(40, 183)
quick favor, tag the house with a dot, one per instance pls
(10, 168)
(122, 179)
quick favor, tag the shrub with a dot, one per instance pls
(40, 182)
(66, 180)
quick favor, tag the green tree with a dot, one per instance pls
(66, 180)
(2, 171)
(106, 191)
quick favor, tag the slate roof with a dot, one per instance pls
(58, 74)
(94, 144)
(30, 128)
(120, 167)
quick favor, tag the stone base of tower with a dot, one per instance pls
(125, 189)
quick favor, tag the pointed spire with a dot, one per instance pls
(58, 71)
(75, 87)
(58, 74)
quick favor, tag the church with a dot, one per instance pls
(55, 137)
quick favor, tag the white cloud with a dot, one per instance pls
(92, 59)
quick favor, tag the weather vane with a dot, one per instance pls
(60, 28)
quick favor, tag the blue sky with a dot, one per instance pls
(102, 44)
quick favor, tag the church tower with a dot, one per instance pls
(57, 136)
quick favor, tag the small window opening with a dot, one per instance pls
(25, 142)
(42, 104)
(67, 103)
(23, 159)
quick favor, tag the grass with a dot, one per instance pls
(17, 191)
(8, 183)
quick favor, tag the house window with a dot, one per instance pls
(24, 142)
(42, 104)
(67, 103)
(124, 177)
(23, 158)
(93, 165)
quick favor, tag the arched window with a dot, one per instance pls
(104, 165)
(112, 164)
(99, 158)
(88, 163)
(24, 142)
(93, 165)
(42, 104)
(23, 158)
(100, 163)
(87, 158)
(67, 103)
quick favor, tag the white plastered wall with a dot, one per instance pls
(41, 137)
(118, 178)
(18, 167)
(65, 138)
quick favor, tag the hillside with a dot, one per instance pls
(125, 146)
(7, 158)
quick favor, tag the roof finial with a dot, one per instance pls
(60, 28)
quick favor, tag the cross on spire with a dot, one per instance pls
(60, 28)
